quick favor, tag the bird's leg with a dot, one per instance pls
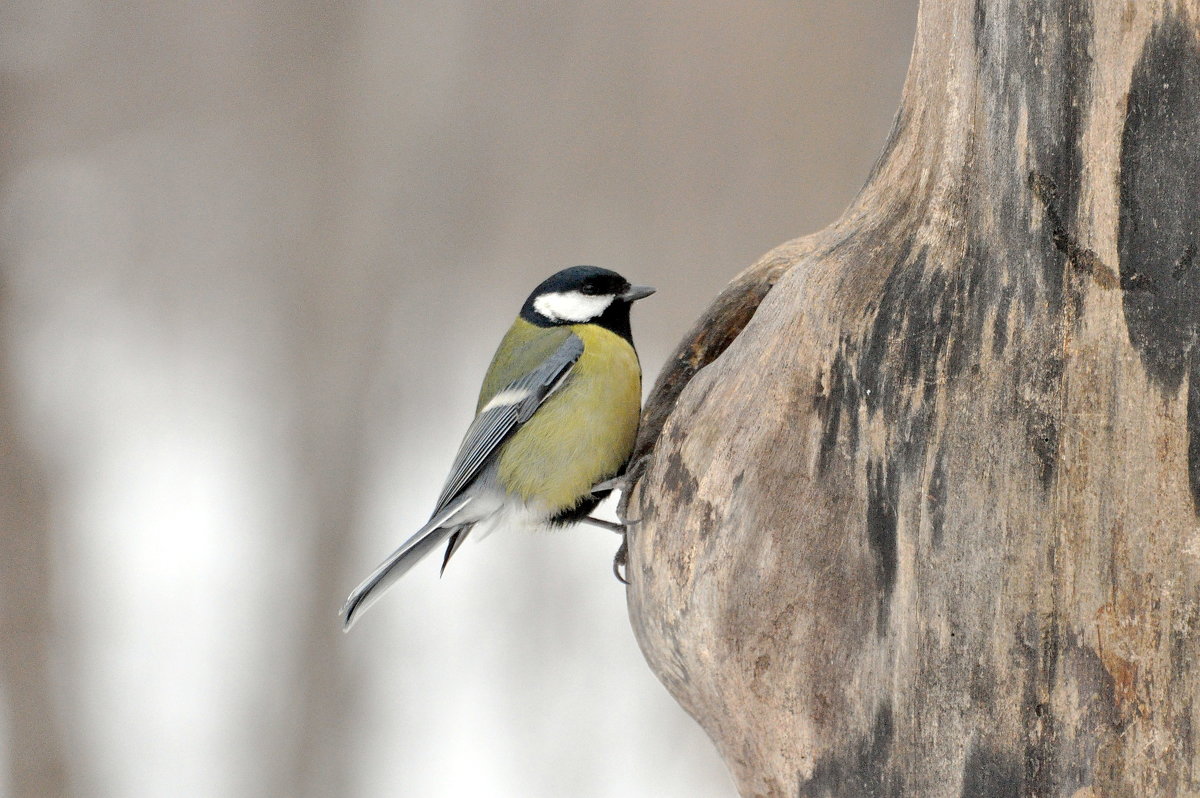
(620, 527)
(622, 556)
(612, 526)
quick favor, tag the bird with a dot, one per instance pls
(554, 425)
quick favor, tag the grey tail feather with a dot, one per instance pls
(398, 563)
(457, 538)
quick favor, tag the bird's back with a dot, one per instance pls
(524, 343)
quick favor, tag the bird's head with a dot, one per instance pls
(583, 295)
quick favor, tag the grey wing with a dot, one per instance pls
(511, 407)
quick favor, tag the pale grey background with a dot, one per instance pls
(254, 258)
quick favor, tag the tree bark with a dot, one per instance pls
(929, 525)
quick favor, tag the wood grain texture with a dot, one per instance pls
(923, 519)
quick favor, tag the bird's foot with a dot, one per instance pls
(622, 557)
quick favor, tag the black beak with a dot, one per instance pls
(636, 292)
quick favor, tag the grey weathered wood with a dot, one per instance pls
(928, 526)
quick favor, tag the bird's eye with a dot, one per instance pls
(589, 289)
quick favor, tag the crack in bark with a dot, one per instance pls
(1080, 258)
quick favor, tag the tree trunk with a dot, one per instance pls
(929, 525)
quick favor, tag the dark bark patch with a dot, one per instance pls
(908, 335)
(974, 289)
(830, 393)
(1000, 325)
(927, 327)
(678, 480)
(979, 27)
(837, 395)
(935, 499)
(903, 354)
(1041, 429)
(991, 774)
(882, 498)
(1039, 398)
(1033, 63)
(1040, 649)
(1159, 230)
(926, 330)
(1063, 677)
(859, 771)
(1052, 51)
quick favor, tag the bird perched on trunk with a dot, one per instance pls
(556, 417)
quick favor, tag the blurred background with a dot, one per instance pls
(254, 258)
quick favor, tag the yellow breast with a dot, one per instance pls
(584, 433)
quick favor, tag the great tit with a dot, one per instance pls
(555, 423)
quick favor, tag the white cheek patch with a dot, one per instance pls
(505, 398)
(571, 306)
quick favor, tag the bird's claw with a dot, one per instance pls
(621, 560)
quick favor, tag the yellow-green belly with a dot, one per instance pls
(584, 432)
